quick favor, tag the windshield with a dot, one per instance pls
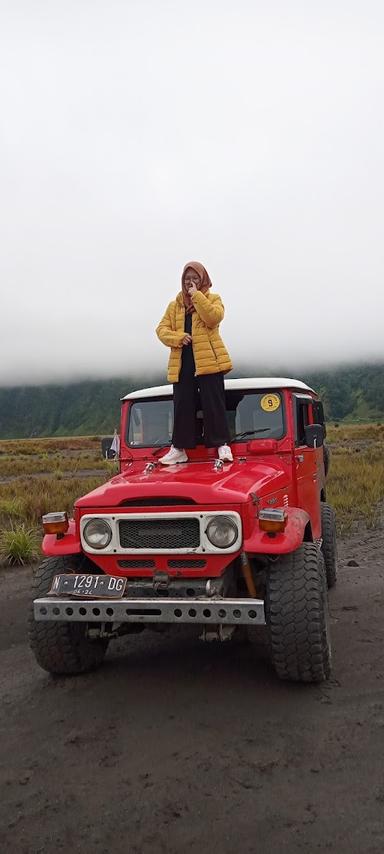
(250, 415)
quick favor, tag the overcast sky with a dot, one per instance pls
(135, 136)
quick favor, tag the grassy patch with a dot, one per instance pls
(13, 465)
(11, 508)
(361, 432)
(42, 495)
(42, 475)
(356, 478)
(40, 446)
(19, 545)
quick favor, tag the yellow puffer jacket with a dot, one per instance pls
(209, 352)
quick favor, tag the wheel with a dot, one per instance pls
(327, 459)
(297, 616)
(329, 544)
(61, 647)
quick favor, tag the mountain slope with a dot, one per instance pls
(93, 406)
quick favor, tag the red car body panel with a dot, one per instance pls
(288, 541)
(69, 544)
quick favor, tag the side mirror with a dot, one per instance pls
(314, 435)
(106, 448)
(318, 414)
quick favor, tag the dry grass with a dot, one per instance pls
(356, 477)
(361, 432)
(41, 475)
(12, 465)
(36, 496)
(40, 446)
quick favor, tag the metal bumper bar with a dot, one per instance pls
(230, 611)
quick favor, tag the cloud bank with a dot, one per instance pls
(136, 136)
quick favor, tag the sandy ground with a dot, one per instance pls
(176, 746)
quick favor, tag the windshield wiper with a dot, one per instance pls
(250, 433)
(160, 448)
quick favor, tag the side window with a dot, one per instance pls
(302, 405)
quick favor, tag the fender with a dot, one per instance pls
(69, 544)
(288, 541)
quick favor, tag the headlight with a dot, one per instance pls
(97, 533)
(222, 532)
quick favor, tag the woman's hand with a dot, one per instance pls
(192, 290)
(186, 340)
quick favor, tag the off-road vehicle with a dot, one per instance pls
(230, 547)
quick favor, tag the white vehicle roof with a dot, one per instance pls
(249, 384)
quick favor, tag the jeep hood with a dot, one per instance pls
(198, 481)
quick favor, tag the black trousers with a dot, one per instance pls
(189, 395)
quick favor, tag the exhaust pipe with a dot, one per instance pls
(247, 573)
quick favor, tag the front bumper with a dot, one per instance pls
(199, 611)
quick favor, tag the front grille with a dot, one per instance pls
(159, 534)
(137, 564)
(191, 564)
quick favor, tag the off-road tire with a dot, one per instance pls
(329, 544)
(297, 616)
(61, 647)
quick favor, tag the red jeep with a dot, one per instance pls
(223, 545)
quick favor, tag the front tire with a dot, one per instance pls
(329, 544)
(297, 616)
(62, 647)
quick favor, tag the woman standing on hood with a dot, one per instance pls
(198, 361)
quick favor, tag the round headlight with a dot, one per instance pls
(222, 532)
(97, 533)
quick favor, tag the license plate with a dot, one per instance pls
(94, 586)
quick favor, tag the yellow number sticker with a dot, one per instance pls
(270, 402)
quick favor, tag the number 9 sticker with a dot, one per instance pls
(270, 402)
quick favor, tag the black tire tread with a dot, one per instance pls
(297, 613)
(60, 647)
(329, 546)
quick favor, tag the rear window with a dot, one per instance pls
(251, 415)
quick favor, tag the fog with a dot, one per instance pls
(135, 136)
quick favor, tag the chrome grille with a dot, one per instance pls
(179, 533)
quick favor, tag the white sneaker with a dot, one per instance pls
(225, 454)
(174, 455)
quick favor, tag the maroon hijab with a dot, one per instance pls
(204, 285)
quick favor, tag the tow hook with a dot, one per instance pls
(125, 629)
(160, 581)
(212, 589)
(97, 633)
(217, 633)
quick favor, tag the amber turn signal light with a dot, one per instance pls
(272, 521)
(55, 523)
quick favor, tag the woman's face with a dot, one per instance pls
(191, 278)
